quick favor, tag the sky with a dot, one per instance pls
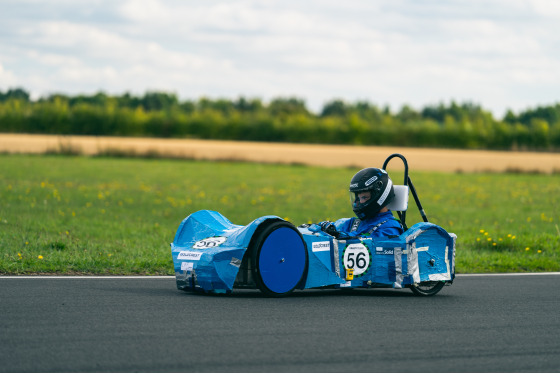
(499, 54)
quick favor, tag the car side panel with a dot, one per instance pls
(322, 266)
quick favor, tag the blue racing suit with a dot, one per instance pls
(383, 224)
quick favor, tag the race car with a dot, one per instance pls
(213, 255)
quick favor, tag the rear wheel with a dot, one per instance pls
(427, 288)
(279, 258)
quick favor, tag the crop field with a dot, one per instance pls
(420, 159)
(101, 215)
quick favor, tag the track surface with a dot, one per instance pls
(479, 324)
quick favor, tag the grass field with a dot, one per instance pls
(84, 215)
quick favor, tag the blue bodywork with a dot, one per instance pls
(208, 252)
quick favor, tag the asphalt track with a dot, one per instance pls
(505, 323)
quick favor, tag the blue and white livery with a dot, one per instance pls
(212, 254)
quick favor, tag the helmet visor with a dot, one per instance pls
(360, 199)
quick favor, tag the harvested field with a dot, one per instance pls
(445, 160)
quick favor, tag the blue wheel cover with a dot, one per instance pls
(282, 260)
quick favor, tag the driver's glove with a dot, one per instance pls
(329, 228)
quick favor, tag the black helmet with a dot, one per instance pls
(377, 182)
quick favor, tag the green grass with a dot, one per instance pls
(81, 215)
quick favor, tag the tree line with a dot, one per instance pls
(161, 114)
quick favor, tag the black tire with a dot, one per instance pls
(278, 258)
(427, 288)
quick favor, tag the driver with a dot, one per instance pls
(371, 190)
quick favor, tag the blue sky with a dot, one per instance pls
(497, 53)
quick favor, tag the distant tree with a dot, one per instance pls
(187, 106)
(15, 93)
(287, 106)
(408, 114)
(367, 111)
(436, 113)
(158, 101)
(56, 98)
(510, 118)
(335, 108)
(464, 112)
(244, 105)
(129, 101)
(550, 114)
(224, 106)
(99, 99)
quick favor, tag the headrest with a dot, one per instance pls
(400, 202)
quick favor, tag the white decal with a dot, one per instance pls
(209, 242)
(385, 193)
(384, 251)
(321, 246)
(371, 180)
(235, 262)
(188, 266)
(184, 255)
(356, 256)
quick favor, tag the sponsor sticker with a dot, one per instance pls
(209, 242)
(321, 246)
(185, 255)
(384, 251)
(187, 266)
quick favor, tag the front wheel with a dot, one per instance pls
(427, 288)
(279, 258)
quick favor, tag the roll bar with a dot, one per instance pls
(407, 182)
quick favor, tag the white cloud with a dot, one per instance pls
(7, 78)
(497, 53)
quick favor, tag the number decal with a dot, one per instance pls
(209, 242)
(356, 256)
